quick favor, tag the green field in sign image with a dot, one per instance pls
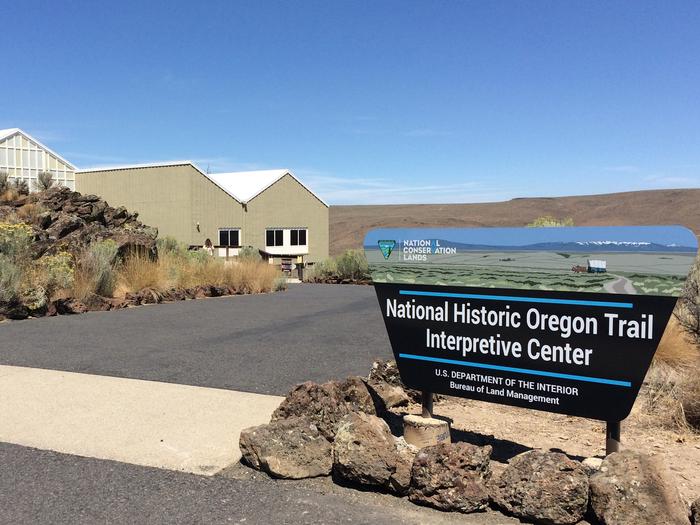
(649, 273)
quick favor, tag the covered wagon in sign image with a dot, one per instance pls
(597, 266)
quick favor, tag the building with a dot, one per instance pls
(269, 210)
(23, 157)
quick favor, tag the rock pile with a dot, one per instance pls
(65, 220)
(335, 429)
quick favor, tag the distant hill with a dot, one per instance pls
(348, 224)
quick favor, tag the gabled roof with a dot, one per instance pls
(246, 185)
(6, 133)
(243, 186)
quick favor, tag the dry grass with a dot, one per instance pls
(139, 272)
(676, 348)
(659, 402)
(174, 270)
(9, 195)
(689, 398)
(30, 212)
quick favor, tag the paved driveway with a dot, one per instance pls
(258, 343)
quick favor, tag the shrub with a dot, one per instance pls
(10, 280)
(688, 311)
(4, 181)
(57, 272)
(352, 265)
(279, 284)
(170, 245)
(16, 241)
(44, 180)
(95, 270)
(21, 186)
(690, 400)
(248, 253)
(550, 222)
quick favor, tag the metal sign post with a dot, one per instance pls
(427, 402)
(612, 437)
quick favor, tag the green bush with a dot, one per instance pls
(95, 270)
(248, 253)
(352, 265)
(16, 241)
(44, 180)
(4, 181)
(550, 222)
(279, 284)
(170, 245)
(10, 280)
(325, 269)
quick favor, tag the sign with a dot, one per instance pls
(563, 320)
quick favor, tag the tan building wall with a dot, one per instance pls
(288, 204)
(161, 195)
(183, 203)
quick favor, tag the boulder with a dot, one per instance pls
(97, 303)
(633, 488)
(543, 487)
(365, 453)
(400, 480)
(290, 448)
(326, 404)
(387, 373)
(69, 306)
(695, 512)
(451, 477)
(15, 311)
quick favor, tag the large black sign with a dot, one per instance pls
(582, 353)
(574, 353)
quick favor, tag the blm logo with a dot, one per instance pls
(386, 247)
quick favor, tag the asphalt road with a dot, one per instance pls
(262, 344)
(40, 487)
(256, 343)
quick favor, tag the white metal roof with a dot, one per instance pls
(243, 186)
(5, 133)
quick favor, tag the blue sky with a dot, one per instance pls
(369, 101)
(665, 235)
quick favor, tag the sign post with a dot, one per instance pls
(563, 320)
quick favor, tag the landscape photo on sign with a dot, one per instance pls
(559, 319)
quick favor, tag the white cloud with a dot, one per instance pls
(346, 190)
(622, 168)
(669, 180)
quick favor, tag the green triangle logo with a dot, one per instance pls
(386, 247)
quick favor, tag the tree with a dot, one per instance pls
(45, 180)
(4, 182)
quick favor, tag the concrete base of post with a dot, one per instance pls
(425, 431)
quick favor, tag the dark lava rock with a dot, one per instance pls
(543, 487)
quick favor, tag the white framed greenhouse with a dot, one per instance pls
(23, 157)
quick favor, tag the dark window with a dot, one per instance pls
(274, 238)
(298, 237)
(230, 238)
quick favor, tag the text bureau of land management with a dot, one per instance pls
(563, 325)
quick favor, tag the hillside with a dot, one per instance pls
(348, 224)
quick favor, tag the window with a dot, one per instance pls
(230, 237)
(298, 237)
(274, 238)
